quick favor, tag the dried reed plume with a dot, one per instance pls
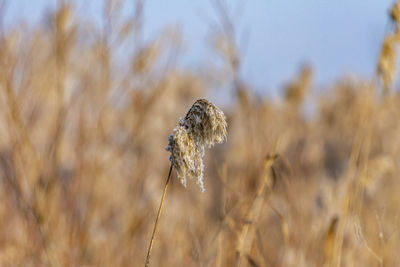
(386, 68)
(387, 60)
(203, 125)
(296, 91)
(395, 12)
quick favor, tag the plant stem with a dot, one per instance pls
(158, 217)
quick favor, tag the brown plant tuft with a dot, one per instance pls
(204, 124)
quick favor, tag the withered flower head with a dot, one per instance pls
(204, 124)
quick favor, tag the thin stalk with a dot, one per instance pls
(158, 217)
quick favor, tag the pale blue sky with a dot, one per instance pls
(337, 37)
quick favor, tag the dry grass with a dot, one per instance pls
(85, 114)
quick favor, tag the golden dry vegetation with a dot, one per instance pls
(85, 114)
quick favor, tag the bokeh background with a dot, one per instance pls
(90, 91)
(338, 38)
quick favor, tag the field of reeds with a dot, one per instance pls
(85, 114)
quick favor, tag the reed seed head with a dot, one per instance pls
(387, 59)
(203, 125)
(395, 12)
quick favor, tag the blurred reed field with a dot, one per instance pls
(85, 115)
